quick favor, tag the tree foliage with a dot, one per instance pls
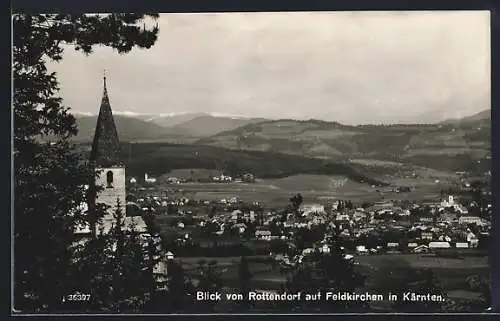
(244, 276)
(50, 177)
(396, 276)
(295, 202)
(327, 272)
(210, 280)
(178, 288)
(116, 268)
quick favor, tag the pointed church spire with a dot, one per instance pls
(105, 98)
(106, 145)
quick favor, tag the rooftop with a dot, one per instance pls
(106, 145)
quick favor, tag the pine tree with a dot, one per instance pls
(50, 177)
(117, 268)
(244, 276)
(210, 281)
(91, 271)
(396, 276)
(295, 202)
(327, 272)
(178, 289)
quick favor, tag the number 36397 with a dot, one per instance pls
(76, 297)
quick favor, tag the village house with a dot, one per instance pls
(263, 234)
(312, 209)
(240, 227)
(412, 245)
(173, 180)
(439, 245)
(461, 209)
(448, 217)
(392, 245)
(426, 235)
(359, 216)
(404, 213)
(324, 249)
(248, 178)
(222, 179)
(426, 219)
(170, 256)
(464, 220)
(342, 218)
(421, 249)
(361, 250)
(444, 238)
(472, 240)
(148, 179)
(450, 202)
(308, 251)
(382, 205)
(236, 214)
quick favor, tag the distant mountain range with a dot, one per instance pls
(129, 129)
(137, 126)
(185, 127)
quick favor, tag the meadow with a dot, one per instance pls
(276, 192)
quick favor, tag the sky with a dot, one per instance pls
(350, 67)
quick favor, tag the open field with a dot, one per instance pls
(392, 170)
(314, 188)
(427, 261)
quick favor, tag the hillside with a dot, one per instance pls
(481, 117)
(172, 120)
(455, 145)
(160, 158)
(206, 125)
(129, 129)
(450, 147)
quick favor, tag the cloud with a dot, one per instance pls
(351, 67)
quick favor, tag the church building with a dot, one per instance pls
(106, 158)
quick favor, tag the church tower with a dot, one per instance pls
(105, 157)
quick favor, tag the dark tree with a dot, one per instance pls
(117, 241)
(244, 276)
(341, 206)
(209, 281)
(260, 217)
(178, 289)
(116, 268)
(295, 202)
(397, 277)
(91, 278)
(483, 286)
(213, 211)
(327, 272)
(49, 176)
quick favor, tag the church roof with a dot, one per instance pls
(106, 145)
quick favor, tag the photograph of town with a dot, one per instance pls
(238, 163)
